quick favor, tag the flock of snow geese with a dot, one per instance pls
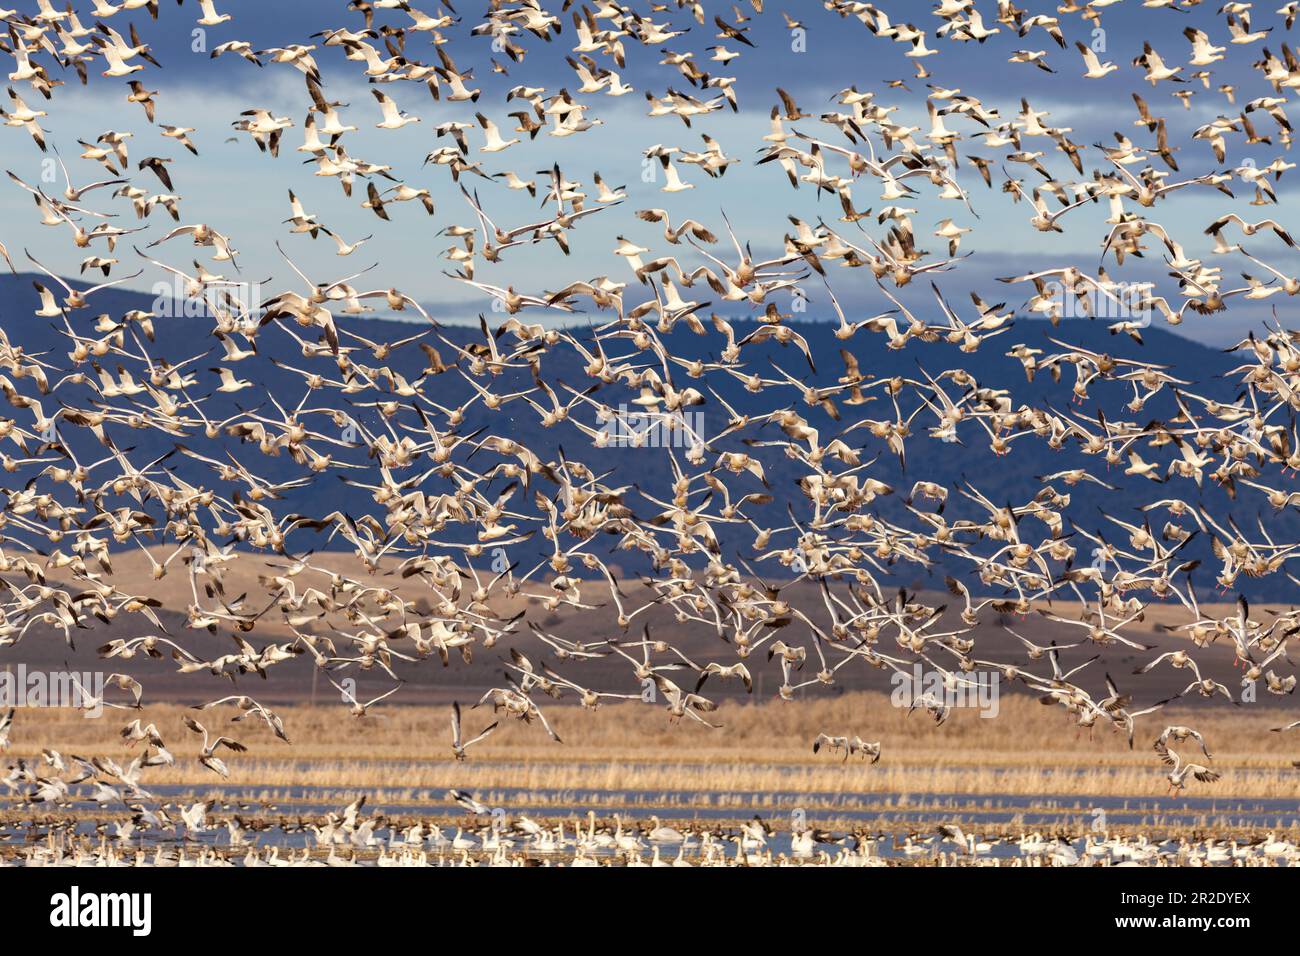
(444, 499)
(352, 838)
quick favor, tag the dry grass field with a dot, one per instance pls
(1028, 750)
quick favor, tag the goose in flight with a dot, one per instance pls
(492, 139)
(357, 708)
(22, 116)
(459, 748)
(207, 753)
(73, 298)
(467, 802)
(93, 701)
(1181, 771)
(683, 704)
(1179, 733)
(394, 118)
(1096, 69)
(834, 744)
(249, 708)
(210, 17)
(133, 733)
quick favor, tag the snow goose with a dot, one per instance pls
(207, 755)
(458, 748)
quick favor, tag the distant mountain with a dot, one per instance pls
(1012, 478)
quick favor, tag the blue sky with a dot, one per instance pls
(243, 192)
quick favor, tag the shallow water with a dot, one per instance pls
(919, 813)
(686, 804)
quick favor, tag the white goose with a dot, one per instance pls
(207, 754)
(664, 834)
